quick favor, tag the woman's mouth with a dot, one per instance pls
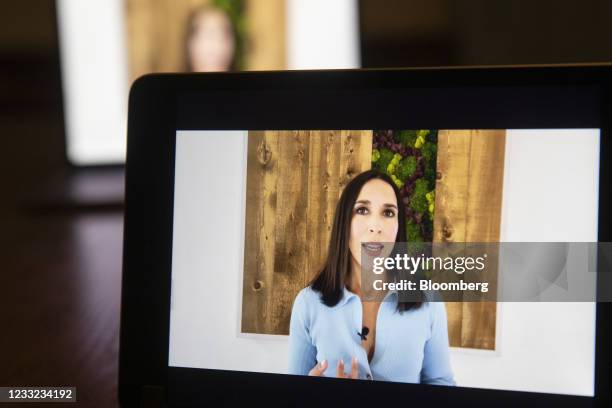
(372, 248)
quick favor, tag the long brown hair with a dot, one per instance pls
(332, 278)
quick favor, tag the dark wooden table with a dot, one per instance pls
(60, 291)
(60, 269)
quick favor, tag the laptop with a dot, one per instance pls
(346, 237)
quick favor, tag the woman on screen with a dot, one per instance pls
(334, 333)
(210, 41)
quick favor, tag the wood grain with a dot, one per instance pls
(61, 293)
(289, 257)
(262, 160)
(468, 209)
(323, 188)
(266, 40)
(156, 33)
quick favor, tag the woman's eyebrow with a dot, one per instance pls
(386, 205)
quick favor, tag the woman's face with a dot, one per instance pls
(374, 220)
(211, 47)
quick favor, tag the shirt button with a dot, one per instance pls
(369, 376)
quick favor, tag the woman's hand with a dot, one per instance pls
(354, 369)
(319, 369)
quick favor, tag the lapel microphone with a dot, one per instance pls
(364, 333)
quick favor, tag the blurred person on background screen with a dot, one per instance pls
(210, 41)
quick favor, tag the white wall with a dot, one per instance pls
(550, 193)
(208, 245)
(322, 34)
(94, 79)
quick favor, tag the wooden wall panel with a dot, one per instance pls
(260, 229)
(266, 39)
(293, 183)
(324, 190)
(290, 254)
(468, 209)
(155, 34)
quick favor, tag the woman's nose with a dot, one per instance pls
(375, 229)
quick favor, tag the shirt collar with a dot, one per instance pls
(348, 295)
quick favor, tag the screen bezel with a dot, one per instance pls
(159, 105)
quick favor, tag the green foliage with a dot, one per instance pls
(413, 232)
(406, 168)
(429, 150)
(430, 175)
(406, 137)
(375, 155)
(399, 183)
(418, 201)
(421, 138)
(386, 155)
(421, 159)
(393, 165)
(431, 201)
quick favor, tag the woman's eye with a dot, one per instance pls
(361, 210)
(389, 213)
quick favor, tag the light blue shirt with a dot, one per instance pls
(409, 347)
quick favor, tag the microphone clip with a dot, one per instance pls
(363, 334)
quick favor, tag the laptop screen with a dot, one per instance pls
(272, 231)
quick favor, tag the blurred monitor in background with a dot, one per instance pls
(106, 44)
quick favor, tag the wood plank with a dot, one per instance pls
(452, 186)
(348, 161)
(323, 168)
(253, 217)
(156, 34)
(290, 256)
(468, 209)
(451, 206)
(484, 199)
(266, 27)
(483, 225)
(260, 229)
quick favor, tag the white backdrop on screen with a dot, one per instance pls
(544, 347)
